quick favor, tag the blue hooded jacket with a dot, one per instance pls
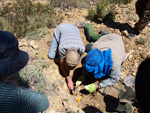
(99, 62)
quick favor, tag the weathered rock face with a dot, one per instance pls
(57, 91)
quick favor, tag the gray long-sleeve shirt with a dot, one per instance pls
(68, 36)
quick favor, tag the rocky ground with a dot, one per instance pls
(61, 101)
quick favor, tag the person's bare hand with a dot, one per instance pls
(70, 83)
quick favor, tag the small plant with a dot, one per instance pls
(100, 9)
(71, 112)
(130, 18)
(92, 15)
(105, 9)
(65, 100)
(37, 34)
(34, 76)
(142, 41)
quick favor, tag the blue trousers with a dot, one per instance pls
(53, 48)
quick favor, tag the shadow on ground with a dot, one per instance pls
(91, 109)
(111, 103)
(16, 77)
(115, 25)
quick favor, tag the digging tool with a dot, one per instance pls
(74, 89)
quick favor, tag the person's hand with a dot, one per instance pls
(70, 83)
(91, 87)
(80, 80)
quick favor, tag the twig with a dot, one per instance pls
(129, 53)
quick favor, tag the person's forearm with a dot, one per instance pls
(66, 74)
(68, 78)
(63, 68)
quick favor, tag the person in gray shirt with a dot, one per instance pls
(68, 44)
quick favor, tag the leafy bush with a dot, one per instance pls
(105, 9)
(92, 15)
(22, 17)
(101, 9)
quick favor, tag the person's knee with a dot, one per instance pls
(51, 56)
(51, 53)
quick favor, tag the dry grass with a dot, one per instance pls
(22, 17)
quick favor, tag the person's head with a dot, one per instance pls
(99, 63)
(11, 58)
(72, 58)
(142, 85)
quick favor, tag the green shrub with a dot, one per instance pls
(92, 15)
(105, 9)
(100, 9)
(32, 74)
(23, 17)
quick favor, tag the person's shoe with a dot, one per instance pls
(103, 32)
(134, 34)
(81, 24)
